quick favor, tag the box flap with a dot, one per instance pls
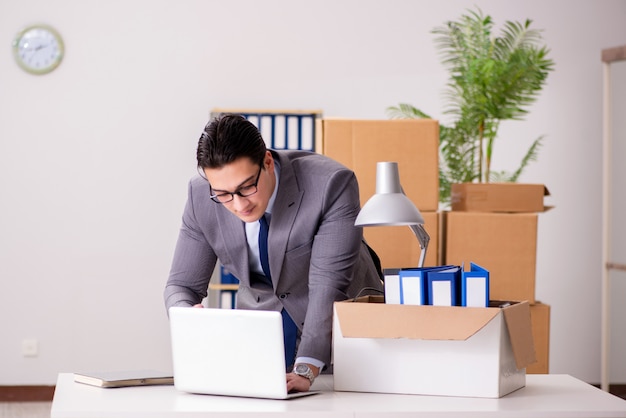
(380, 320)
(518, 322)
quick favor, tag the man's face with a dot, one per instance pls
(240, 176)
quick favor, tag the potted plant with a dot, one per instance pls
(492, 79)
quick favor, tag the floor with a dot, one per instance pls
(25, 409)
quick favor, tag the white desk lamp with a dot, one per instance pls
(391, 207)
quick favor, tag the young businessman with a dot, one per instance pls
(314, 254)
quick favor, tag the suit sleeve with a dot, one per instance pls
(193, 262)
(335, 251)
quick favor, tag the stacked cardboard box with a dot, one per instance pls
(414, 145)
(495, 225)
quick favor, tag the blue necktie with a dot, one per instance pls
(290, 330)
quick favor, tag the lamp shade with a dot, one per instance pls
(389, 206)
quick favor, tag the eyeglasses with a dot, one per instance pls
(244, 191)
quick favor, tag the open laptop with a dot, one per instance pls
(229, 352)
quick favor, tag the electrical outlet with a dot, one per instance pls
(30, 348)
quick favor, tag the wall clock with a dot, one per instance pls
(38, 49)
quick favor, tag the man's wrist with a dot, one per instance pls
(306, 370)
(313, 362)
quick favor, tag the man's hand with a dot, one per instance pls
(297, 383)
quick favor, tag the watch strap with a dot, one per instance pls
(304, 371)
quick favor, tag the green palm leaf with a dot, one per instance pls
(492, 79)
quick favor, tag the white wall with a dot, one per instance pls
(94, 158)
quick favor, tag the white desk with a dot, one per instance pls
(543, 396)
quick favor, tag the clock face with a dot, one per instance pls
(38, 49)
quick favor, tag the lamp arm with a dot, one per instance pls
(423, 238)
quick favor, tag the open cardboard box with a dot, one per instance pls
(431, 350)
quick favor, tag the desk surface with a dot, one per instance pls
(543, 396)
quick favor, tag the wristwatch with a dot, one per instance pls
(304, 371)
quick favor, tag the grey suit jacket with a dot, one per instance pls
(317, 256)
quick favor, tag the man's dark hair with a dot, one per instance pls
(227, 138)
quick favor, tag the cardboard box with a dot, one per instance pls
(498, 197)
(503, 243)
(413, 144)
(431, 350)
(540, 321)
(397, 246)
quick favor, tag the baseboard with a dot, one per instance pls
(26, 393)
(618, 390)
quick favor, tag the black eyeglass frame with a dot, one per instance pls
(243, 191)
